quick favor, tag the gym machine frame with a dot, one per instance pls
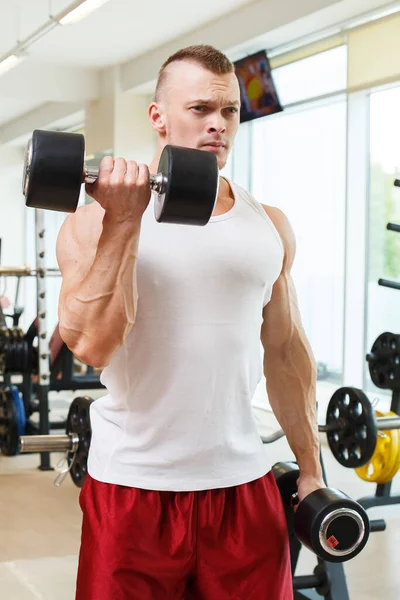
(43, 353)
(43, 342)
(382, 496)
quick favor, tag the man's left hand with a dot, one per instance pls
(307, 484)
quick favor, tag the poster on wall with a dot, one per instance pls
(257, 88)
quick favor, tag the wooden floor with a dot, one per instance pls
(40, 531)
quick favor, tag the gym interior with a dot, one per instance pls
(325, 151)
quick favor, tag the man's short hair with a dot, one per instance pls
(202, 54)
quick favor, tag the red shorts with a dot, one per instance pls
(208, 545)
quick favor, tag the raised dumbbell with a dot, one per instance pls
(186, 184)
(327, 521)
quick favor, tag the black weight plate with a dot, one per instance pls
(353, 442)
(53, 172)
(78, 422)
(192, 186)
(19, 410)
(286, 475)
(8, 424)
(344, 529)
(384, 361)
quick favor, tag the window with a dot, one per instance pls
(318, 75)
(299, 165)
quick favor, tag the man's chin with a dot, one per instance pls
(221, 163)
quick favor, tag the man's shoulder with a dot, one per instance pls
(284, 228)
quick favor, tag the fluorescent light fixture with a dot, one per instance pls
(9, 62)
(80, 10)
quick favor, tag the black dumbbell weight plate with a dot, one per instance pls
(286, 475)
(78, 423)
(354, 441)
(332, 525)
(384, 361)
(53, 170)
(192, 186)
(12, 420)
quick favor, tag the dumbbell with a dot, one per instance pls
(327, 521)
(186, 184)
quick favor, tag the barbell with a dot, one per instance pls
(351, 427)
(186, 184)
(75, 442)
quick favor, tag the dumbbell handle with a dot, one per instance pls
(48, 443)
(158, 183)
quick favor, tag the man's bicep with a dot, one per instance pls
(273, 330)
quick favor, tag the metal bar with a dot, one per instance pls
(43, 344)
(45, 443)
(306, 582)
(379, 500)
(378, 525)
(18, 271)
(383, 424)
(393, 226)
(273, 437)
(27, 271)
(390, 284)
(158, 182)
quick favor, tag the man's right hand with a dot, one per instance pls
(122, 189)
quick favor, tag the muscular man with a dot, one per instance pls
(180, 500)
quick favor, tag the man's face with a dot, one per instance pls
(200, 109)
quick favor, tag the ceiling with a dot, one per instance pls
(117, 31)
(61, 71)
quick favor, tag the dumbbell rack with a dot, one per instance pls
(382, 496)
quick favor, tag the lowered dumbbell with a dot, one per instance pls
(327, 521)
(186, 185)
(75, 442)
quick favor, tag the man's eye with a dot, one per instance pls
(199, 108)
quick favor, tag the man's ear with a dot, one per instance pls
(156, 117)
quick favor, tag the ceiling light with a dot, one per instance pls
(80, 10)
(10, 61)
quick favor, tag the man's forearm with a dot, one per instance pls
(291, 387)
(97, 314)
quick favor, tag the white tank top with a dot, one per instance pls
(178, 413)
